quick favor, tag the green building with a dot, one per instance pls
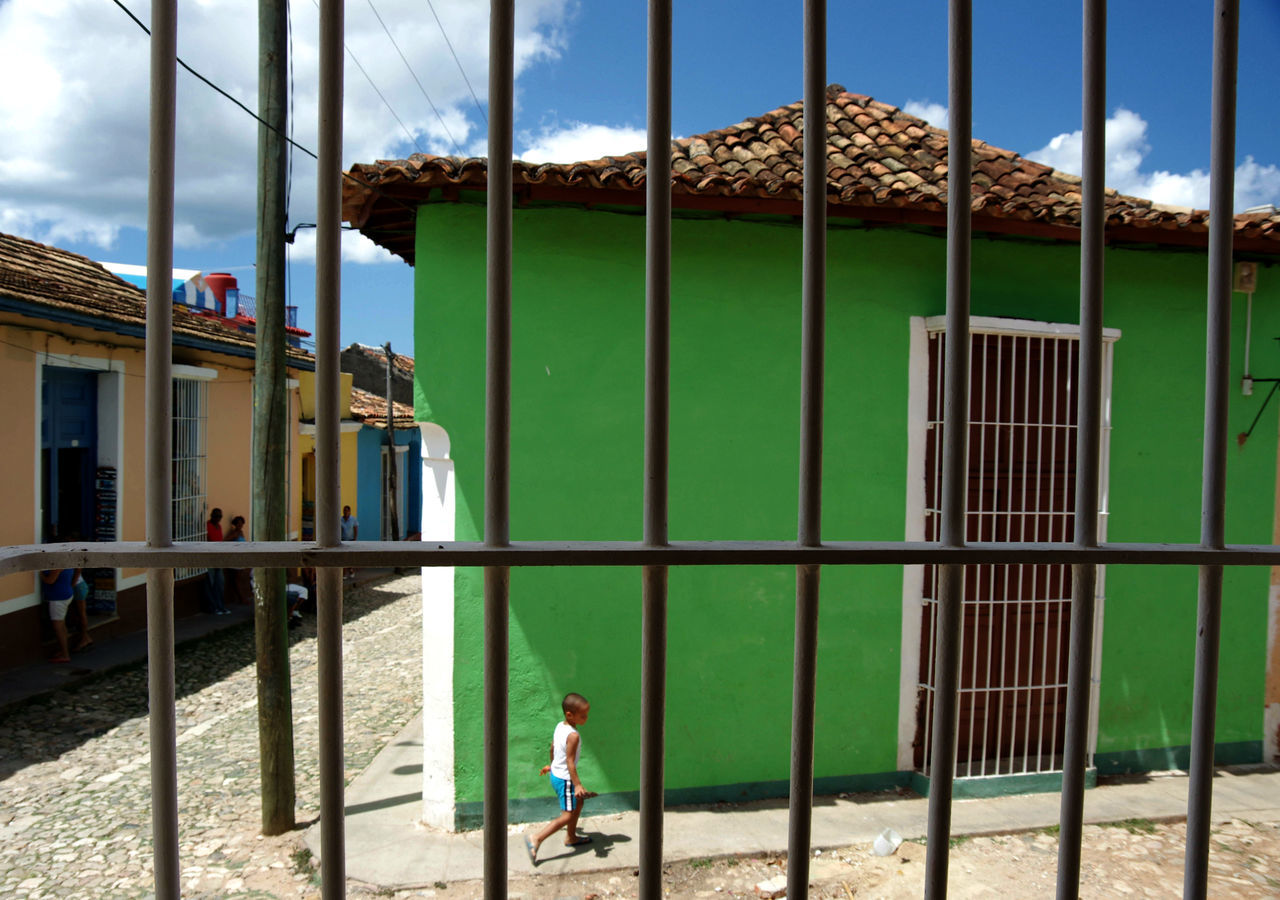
(577, 422)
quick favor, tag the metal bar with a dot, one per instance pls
(329, 684)
(1075, 748)
(991, 576)
(1049, 580)
(955, 456)
(327, 437)
(134, 554)
(497, 443)
(809, 513)
(159, 452)
(1213, 496)
(657, 427)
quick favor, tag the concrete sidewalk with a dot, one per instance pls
(387, 846)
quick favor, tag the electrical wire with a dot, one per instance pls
(384, 100)
(292, 143)
(182, 63)
(449, 43)
(414, 74)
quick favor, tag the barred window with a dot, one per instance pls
(190, 415)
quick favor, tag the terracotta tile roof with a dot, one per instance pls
(372, 409)
(882, 164)
(50, 282)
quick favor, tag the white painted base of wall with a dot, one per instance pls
(438, 511)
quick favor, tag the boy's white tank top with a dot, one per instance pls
(560, 754)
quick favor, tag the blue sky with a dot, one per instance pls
(73, 165)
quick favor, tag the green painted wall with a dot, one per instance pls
(577, 401)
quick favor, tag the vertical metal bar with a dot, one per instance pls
(954, 480)
(1088, 445)
(983, 518)
(159, 452)
(328, 491)
(497, 444)
(812, 339)
(1212, 514)
(657, 426)
(1032, 603)
(1049, 580)
(996, 521)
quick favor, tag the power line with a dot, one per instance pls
(385, 103)
(292, 143)
(449, 43)
(182, 63)
(439, 117)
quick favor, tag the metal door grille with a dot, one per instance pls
(952, 551)
(1021, 488)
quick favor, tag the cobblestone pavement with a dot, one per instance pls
(75, 816)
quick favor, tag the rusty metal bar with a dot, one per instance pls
(497, 445)
(657, 428)
(955, 441)
(1213, 492)
(159, 452)
(328, 475)
(1088, 447)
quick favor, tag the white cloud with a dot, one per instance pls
(356, 248)
(73, 161)
(578, 141)
(1127, 148)
(933, 113)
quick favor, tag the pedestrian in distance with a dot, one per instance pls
(350, 528)
(566, 747)
(56, 588)
(214, 587)
(350, 525)
(238, 582)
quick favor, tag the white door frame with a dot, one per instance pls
(917, 434)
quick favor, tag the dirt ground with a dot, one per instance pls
(1137, 858)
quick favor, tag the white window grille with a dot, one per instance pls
(190, 429)
(1021, 475)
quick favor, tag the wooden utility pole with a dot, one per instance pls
(391, 451)
(270, 435)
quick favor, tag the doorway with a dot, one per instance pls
(1021, 488)
(68, 453)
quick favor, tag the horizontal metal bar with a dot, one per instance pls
(413, 554)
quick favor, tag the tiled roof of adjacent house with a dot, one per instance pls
(51, 283)
(882, 164)
(372, 409)
(404, 364)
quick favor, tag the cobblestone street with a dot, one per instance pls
(75, 809)
(75, 819)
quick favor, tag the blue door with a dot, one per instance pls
(68, 451)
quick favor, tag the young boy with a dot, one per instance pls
(566, 746)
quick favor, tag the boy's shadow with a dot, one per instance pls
(601, 845)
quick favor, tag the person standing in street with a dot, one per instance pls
(214, 586)
(350, 528)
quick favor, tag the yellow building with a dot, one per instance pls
(72, 364)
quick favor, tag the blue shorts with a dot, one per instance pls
(564, 793)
